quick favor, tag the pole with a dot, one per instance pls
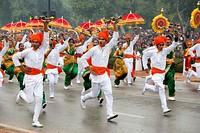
(49, 8)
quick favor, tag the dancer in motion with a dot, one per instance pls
(158, 64)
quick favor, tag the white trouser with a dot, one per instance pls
(129, 66)
(80, 69)
(53, 79)
(1, 79)
(33, 91)
(159, 87)
(107, 89)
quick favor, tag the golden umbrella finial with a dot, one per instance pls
(162, 10)
(198, 4)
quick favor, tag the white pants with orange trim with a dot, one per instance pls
(33, 92)
(107, 89)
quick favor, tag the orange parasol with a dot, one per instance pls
(19, 26)
(34, 23)
(8, 27)
(60, 23)
(130, 19)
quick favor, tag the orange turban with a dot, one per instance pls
(198, 41)
(19, 37)
(1, 45)
(159, 39)
(81, 37)
(129, 36)
(104, 34)
(189, 42)
(53, 43)
(38, 37)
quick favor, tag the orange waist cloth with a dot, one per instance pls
(89, 60)
(129, 56)
(197, 60)
(77, 55)
(101, 70)
(62, 54)
(49, 66)
(156, 70)
(35, 71)
(2, 72)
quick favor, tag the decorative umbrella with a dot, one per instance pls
(195, 17)
(102, 25)
(34, 23)
(160, 23)
(60, 23)
(85, 27)
(19, 26)
(8, 26)
(130, 19)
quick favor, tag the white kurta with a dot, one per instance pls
(100, 57)
(53, 57)
(22, 41)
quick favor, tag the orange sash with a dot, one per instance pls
(101, 70)
(49, 66)
(197, 60)
(156, 70)
(62, 54)
(2, 72)
(130, 56)
(35, 71)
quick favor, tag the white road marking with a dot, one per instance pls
(136, 116)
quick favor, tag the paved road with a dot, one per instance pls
(137, 113)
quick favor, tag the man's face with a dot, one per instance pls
(95, 42)
(102, 42)
(160, 46)
(168, 41)
(35, 44)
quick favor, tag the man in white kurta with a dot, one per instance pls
(197, 61)
(52, 68)
(33, 80)
(100, 56)
(79, 52)
(128, 54)
(158, 64)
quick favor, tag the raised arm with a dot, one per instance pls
(191, 50)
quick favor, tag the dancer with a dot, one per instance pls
(119, 67)
(197, 61)
(99, 73)
(34, 58)
(158, 64)
(128, 54)
(52, 68)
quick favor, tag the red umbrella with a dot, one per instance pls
(34, 23)
(8, 26)
(19, 26)
(130, 19)
(85, 26)
(60, 23)
(101, 24)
